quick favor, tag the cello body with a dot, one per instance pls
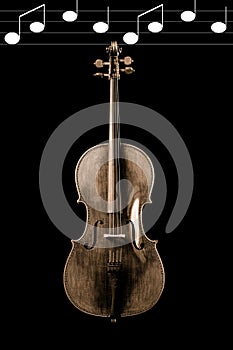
(114, 270)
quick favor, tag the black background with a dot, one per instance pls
(191, 86)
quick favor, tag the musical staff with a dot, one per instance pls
(210, 27)
(13, 38)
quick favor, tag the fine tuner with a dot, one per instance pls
(114, 65)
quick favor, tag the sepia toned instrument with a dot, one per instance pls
(114, 270)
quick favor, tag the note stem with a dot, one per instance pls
(108, 15)
(138, 25)
(44, 15)
(162, 14)
(195, 6)
(225, 14)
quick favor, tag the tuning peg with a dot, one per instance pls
(128, 70)
(127, 60)
(99, 63)
(101, 75)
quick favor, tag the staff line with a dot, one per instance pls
(220, 10)
(129, 37)
(130, 21)
(144, 32)
(122, 44)
(113, 21)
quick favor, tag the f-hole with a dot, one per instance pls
(89, 247)
(141, 246)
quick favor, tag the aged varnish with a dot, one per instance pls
(114, 269)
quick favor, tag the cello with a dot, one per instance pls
(114, 270)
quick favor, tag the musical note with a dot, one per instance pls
(154, 27)
(220, 27)
(189, 16)
(102, 27)
(71, 16)
(206, 27)
(12, 38)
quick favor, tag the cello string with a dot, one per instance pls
(115, 161)
(111, 161)
(117, 151)
(119, 169)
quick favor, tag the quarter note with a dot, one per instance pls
(220, 27)
(154, 27)
(12, 38)
(71, 16)
(189, 16)
(102, 27)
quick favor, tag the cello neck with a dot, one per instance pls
(114, 120)
(114, 131)
(114, 76)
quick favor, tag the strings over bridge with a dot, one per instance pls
(114, 235)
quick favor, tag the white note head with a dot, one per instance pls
(100, 27)
(130, 38)
(12, 38)
(219, 27)
(155, 27)
(70, 16)
(37, 27)
(188, 16)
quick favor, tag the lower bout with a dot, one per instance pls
(96, 286)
